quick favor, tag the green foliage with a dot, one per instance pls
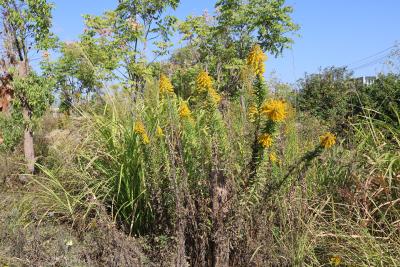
(382, 98)
(327, 95)
(11, 130)
(123, 164)
(75, 75)
(224, 40)
(31, 21)
(35, 92)
(27, 26)
(119, 38)
(183, 61)
(336, 98)
(256, 21)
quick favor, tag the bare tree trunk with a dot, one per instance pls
(29, 150)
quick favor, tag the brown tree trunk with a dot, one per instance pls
(29, 150)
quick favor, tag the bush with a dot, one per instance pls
(327, 95)
(11, 130)
(381, 99)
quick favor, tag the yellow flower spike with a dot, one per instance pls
(184, 111)
(265, 140)
(256, 60)
(165, 85)
(335, 261)
(252, 113)
(204, 84)
(272, 157)
(275, 110)
(145, 139)
(216, 98)
(327, 140)
(159, 131)
(141, 130)
(203, 81)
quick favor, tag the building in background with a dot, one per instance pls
(366, 80)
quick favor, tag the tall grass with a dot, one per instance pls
(120, 159)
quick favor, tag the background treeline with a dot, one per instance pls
(338, 98)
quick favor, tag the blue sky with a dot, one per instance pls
(333, 32)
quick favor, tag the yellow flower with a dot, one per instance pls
(184, 111)
(165, 85)
(145, 139)
(327, 140)
(141, 130)
(204, 84)
(253, 113)
(265, 140)
(275, 110)
(215, 97)
(159, 131)
(272, 157)
(256, 60)
(335, 260)
(203, 81)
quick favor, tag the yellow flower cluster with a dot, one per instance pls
(159, 131)
(327, 140)
(272, 157)
(275, 110)
(216, 98)
(256, 60)
(141, 130)
(265, 140)
(165, 85)
(335, 261)
(204, 83)
(184, 111)
(253, 113)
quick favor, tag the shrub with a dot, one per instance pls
(11, 130)
(326, 95)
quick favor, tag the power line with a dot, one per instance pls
(371, 56)
(373, 62)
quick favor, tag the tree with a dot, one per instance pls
(224, 39)
(119, 39)
(26, 28)
(326, 95)
(265, 22)
(75, 74)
